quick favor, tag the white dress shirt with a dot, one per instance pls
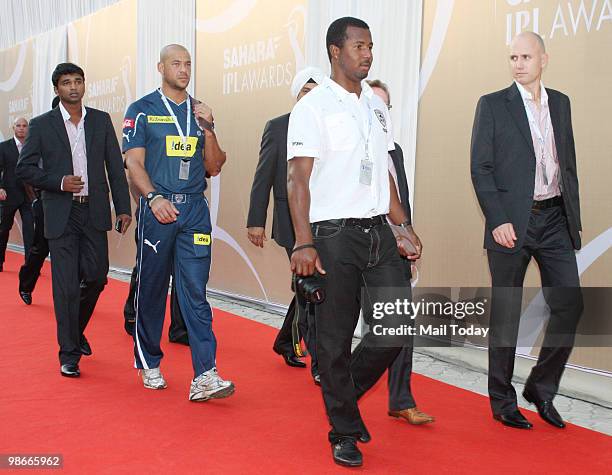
(333, 126)
(76, 136)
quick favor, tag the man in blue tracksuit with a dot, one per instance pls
(170, 146)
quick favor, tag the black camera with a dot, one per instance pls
(311, 288)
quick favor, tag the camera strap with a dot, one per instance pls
(300, 306)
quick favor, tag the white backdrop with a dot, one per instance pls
(157, 28)
(22, 19)
(50, 48)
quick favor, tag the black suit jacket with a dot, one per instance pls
(397, 156)
(271, 173)
(503, 163)
(15, 191)
(47, 139)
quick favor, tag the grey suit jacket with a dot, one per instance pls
(503, 163)
(271, 173)
(47, 139)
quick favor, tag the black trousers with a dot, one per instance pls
(30, 270)
(7, 216)
(283, 344)
(178, 329)
(400, 370)
(548, 242)
(79, 266)
(352, 257)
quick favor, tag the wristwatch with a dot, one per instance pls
(210, 126)
(151, 196)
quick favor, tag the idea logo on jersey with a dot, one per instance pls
(176, 148)
(201, 239)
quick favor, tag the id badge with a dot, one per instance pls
(184, 170)
(365, 172)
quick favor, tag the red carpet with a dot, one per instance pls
(106, 422)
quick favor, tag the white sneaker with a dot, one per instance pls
(153, 379)
(209, 385)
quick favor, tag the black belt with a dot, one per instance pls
(549, 203)
(80, 199)
(180, 198)
(365, 223)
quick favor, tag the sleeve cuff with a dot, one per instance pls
(302, 152)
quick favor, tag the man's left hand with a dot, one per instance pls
(125, 221)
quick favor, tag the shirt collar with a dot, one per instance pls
(66, 114)
(526, 95)
(341, 92)
(17, 142)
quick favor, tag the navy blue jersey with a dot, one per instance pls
(148, 124)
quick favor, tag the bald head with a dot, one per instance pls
(175, 67)
(170, 50)
(530, 37)
(20, 128)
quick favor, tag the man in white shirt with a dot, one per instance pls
(339, 194)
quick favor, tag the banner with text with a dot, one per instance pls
(468, 42)
(247, 55)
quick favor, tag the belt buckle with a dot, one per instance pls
(179, 198)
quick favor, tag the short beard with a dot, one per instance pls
(175, 85)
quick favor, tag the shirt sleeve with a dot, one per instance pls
(134, 128)
(304, 133)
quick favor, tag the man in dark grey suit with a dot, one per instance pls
(401, 401)
(523, 165)
(271, 173)
(14, 195)
(78, 148)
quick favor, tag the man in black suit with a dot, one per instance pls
(14, 195)
(78, 148)
(523, 165)
(401, 401)
(30, 270)
(271, 173)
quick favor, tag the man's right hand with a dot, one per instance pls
(164, 211)
(305, 261)
(257, 235)
(72, 184)
(504, 235)
(2, 194)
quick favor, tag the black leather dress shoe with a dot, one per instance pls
(346, 453)
(85, 348)
(294, 361)
(514, 419)
(317, 379)
(26, 297)
(546, 410)
(70, 370)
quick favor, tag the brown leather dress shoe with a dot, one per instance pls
(413, 416)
